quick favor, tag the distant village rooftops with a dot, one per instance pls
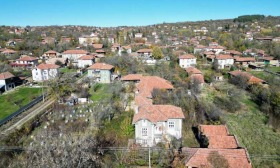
(102, 66)
(75, 52)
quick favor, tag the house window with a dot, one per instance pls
(145, 141)
(171, 124)
(144, 131)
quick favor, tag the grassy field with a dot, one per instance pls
(99, 92)
(13, 100)
(67, 70)
(274, 69)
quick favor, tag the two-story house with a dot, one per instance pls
(6, 81)
(187, 60)
(86, 60)
(147, 53)
(25, 62)
(73, 54)
(45, 72)
(101, 72)
(51, 54)
(224, 61)
(156, 123)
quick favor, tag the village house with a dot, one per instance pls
(187, 60)
(50, 54)
(146, 53)
(244, 61)
(97, 46)
(45, 72)
(154, 123)
(73, 54)
(101, 72)
(199, 48)
(85, 61)
(217, 49)
(224, 61)
(8, 52)
(267, 60)
(250, 78)
(6, 81)
(88, 40)
(138, 35)
(132, 78)
(25, 62)
(195, 76)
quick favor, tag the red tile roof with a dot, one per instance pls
(8, 51)
(198, 77)
(251, 79)
(100, 51)
(51, 52)
(6, 75)
(187, 56)
(102, 66)
(27, 58)
(193, 70)
(222, 142)
(213, 130)
(148, 83)
(87, 57)
(97, 46)
(221, 57)
(236, 158)
(245, 59)
(132, 77)
(156, 113)
(47, 66)
(234, 52)
(75, 52)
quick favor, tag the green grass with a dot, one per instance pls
(274, 69)
(101, 92)
(13, 100)
(120, 128)
(259, 74)
(67, 70)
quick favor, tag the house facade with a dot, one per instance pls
(224, 61)
(86, 60)
(146, 53)
(73, 54)
(25, 61)
(45, 72)
(6, 81)
(101, 72)
(187, 60)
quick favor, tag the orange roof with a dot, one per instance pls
(75, 52)
(187, 56)
(101, 66)
(222, 142)
(245, 59)
(47, 66)
(213, 130)
(132, 77)
(51, 52)
(8, 51)
(144, 51)
(100, 51)
(197, 157)
(251, 79)
(126, 47)
(97, 46)
(148, 83)
(27, 58)
(268, 58)
(233, 52)
(156, 113)
(197, 77)
(87, 57)
(6, 75)
(193, 70)
(221, 57)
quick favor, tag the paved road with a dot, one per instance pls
(33, 112)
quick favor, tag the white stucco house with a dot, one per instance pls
(25, 62)
(74, 54)
(224, 61)
(138, 35)
(157, 123)
(101, 72)
(45, 72)
(187, 60)
(6, 81)
(145, 53)
(86, 60)
(88, 40)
